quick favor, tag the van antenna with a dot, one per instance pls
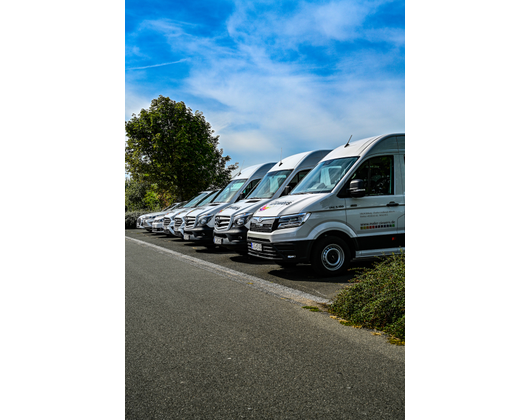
(281, 163)
(348, 141)
(240, 170)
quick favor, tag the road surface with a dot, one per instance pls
(201, 344)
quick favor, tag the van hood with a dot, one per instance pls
(291, 204)
(185, 210)
(148, 215)
(210, 208)
(180, 212)
(243, 206)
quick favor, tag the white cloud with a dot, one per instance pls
(299, 113)
(311, 23)
(267, 104)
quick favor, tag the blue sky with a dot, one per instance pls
(272, 75)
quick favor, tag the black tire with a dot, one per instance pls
(330, 256)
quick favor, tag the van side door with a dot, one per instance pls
(374, 217)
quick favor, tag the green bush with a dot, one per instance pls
(376, 297)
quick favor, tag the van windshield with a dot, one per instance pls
(325, 176)
(230, 190)
(170, 207)
(208, 199)
(270, 184)
(196, 200)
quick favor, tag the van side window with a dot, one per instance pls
(298, 177)
(378, 175)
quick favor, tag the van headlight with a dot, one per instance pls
(242, 219)
(205, 219)
(294, 220)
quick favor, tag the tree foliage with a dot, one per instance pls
(135, 191)
(173, 148)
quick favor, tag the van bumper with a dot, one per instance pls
(175, 233)
(200, 234)
(157, 228)
(234, 238)
(294, 252)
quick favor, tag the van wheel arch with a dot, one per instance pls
(351, 242)
(331, 254)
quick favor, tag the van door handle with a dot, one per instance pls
(392, 204)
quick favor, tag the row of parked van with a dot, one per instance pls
(322, 207)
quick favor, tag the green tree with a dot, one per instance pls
(135, 191)
(173, 148)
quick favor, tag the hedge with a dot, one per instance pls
(132, 216)
(376, 298)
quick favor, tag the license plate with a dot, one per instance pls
(186, 237)
(255, 246)
(218, 241)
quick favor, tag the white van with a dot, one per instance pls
(172, 221)
(351, 205)
(159, 226)
(232, 223)
(145, 221)
(200, 222)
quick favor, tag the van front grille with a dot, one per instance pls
(222, 222)
(261, 224)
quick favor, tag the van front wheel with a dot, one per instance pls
(330, 256)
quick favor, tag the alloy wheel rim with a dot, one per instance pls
(332, 257)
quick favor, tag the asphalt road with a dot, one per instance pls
(200, 345)
(300, 277)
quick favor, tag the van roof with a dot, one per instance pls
(357, 147)
(293, 161)
(251, 170)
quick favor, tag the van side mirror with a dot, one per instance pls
(241, 196)
(357, 188)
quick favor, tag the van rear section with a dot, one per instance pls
(351, 205)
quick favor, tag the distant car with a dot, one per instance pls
(172, 222)
(158, 224)
(145, 221)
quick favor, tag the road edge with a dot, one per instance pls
(268, 287)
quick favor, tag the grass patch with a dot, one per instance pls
(350, 324)
(376, 299)
(311, 308)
